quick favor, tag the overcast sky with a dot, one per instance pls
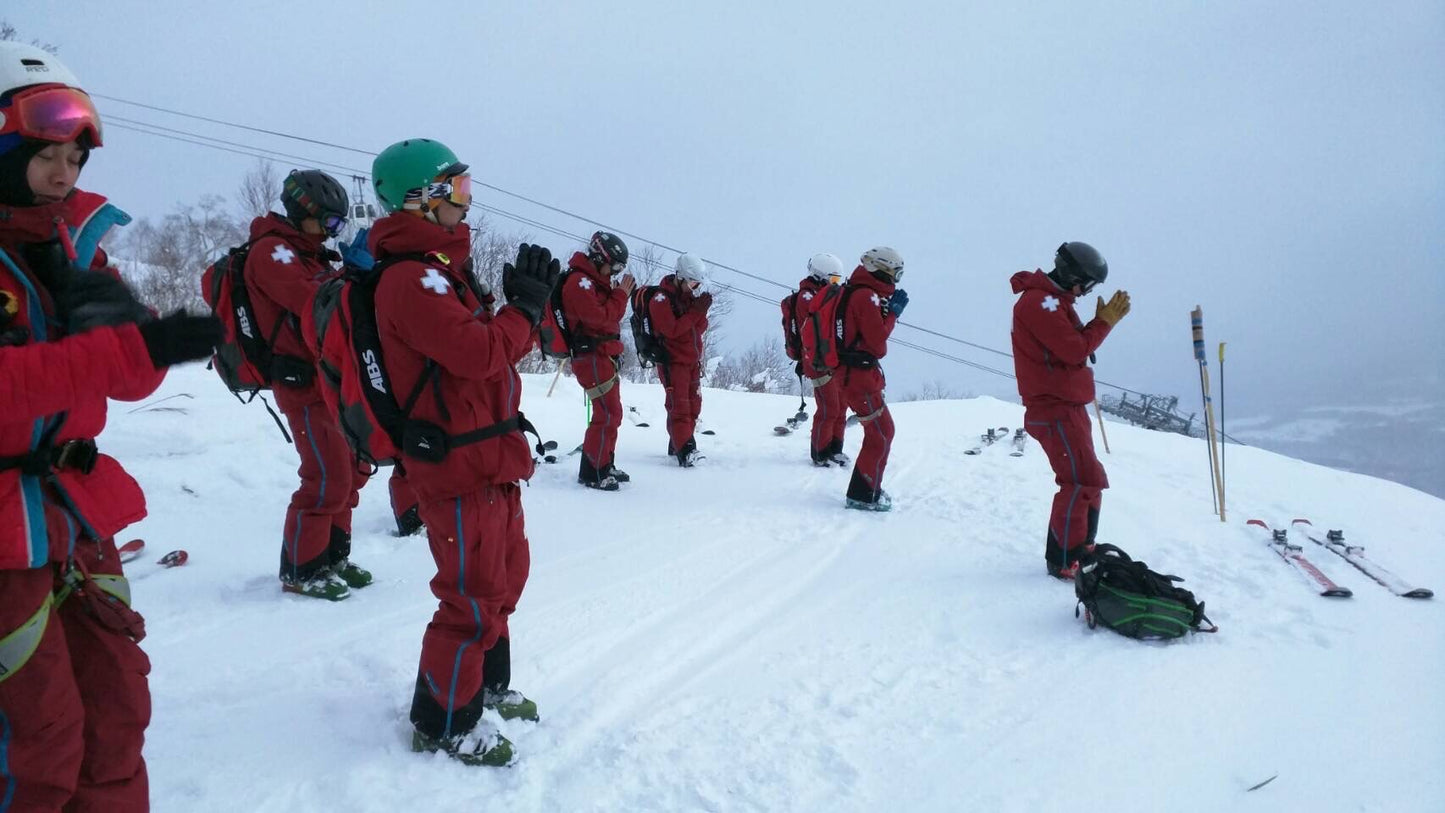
(1281, 164)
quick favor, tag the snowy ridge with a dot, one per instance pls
(729, 638)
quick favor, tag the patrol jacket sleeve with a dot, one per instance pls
(670, 326)
(442, 328)
(289, 284)
(141, 386)
(595, 317)
(1055, 330)
(48, 377)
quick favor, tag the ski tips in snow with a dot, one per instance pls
(131, 550)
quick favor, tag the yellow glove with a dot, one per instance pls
(1116, 308)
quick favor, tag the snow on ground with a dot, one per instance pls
(729, 638)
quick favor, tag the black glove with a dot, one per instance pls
(181, 337)
(92, 299)
(528, 284)
(703, 302)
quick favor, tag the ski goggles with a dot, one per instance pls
(456, 190)
(333, 224)
(53, 113)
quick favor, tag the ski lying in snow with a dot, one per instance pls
(636, 418)
(1334, 542)
(131, 551)
(988, 439)
(545, 452)
(1019, 440)
(782, 430)
(1290, 552)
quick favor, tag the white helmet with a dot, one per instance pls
(689, 268)
(822, 266)
(23, 65)
(884, 259)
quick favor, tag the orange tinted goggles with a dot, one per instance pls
(52, 113)
(457, 189)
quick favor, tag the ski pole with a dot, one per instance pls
(1196, 322)
(554, 379)
(1223, 439)
(1102, 433)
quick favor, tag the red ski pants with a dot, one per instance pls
(831, 417)
(683, 383)
(1067, 437)
(593, 372)
(331, 481)
(73, 717)
(403, 498)
(877, 433)
(479, 542)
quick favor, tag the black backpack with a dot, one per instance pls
(650, 351)
(1134, 601)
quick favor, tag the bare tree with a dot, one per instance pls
(936, 390)
(260, 189)
(8, 33)
(761, 368)
(167, 257)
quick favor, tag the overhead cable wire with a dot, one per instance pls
(269, 154)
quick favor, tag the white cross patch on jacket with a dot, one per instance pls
(661, 297)
(1051, 303)
(283, 255)
(435, 282)
(585, 284)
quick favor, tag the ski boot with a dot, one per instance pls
(835, 455)
(354, 576)
(1064, 565)
(864, 497)
(409, 522)
(592, 477)
(618, 474)
(510, 704)
(322, 584)
(483, 745)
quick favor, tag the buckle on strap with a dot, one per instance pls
(593, 393)
(79, 454)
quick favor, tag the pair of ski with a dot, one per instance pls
(1334, 542)
(993, 436)
(792, 423)
(132, 550)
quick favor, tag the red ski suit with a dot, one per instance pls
(74, 703)
(431, 323)
(831, 418)
(283, 270)
(867, 324)
(594, 309)
(679, 320)
(1051, 359)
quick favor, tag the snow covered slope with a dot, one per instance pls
(730, 638)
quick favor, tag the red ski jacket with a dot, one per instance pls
(796, 308)
(283, 270)
(425, 311)
(592, 305)
(1051, 346)
(866, 328)
(53, 389)
(678, 321)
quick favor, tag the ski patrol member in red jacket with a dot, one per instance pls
(1052, 349)
(873, 309)
(678, 315)
(438, 340)
(287, 262)
(830, 418)
(594, 308)
(74, 701)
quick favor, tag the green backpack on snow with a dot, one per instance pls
(1134, 601)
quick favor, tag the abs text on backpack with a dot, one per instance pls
(823, 334)
(650, 350)
(375, 420)
(243, 359)
(793, 323)
(1134, 601)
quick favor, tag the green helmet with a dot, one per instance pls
(408, 165)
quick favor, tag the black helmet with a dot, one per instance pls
(607, 248)
(312, 193)
(1079, 264)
